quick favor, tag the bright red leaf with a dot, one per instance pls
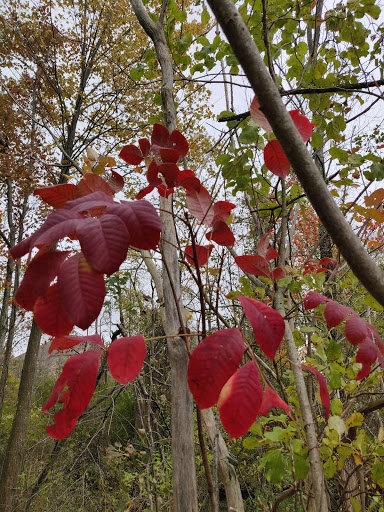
(335, 313)
(144, 192)
(188, 180)
(50, 314)
(104, 242)
(221, 234)
(324, 394)
(271, 254)
(356, 329)
(262, 246)
(200, 205)
(267, 324)
(40, 272)
(366, 355)
(57, 195)
(270, 400)
(126, 357)
(79, 376)
(203, 252)
(240, 399)
(161, 138)
(212, 363)
(254, 265)
(258, 117)
(313, 299)
(66, 342)
(302, 123)
(82, 291)
(222, 211)
(170, 171)
(169, 155)
(93, 204)
(164, 191)
(131, 154)
(278, 273)
(275, 159)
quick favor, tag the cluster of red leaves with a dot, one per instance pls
(274, 156)
(104, 228)
(321, 266)
(161, 155)
(356, 330)
(214, 375)
(258, 265)
(125, 358)
(66, 288)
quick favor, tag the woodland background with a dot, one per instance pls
(79, 80)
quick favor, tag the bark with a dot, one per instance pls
(183, 456)
(14, 452)
(305, 169)
(5, 303)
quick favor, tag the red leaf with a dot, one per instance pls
(93, 204)
(79, 376)
(240, 399)
(262, 246)
(116, 182)
(335, 313)
(164, 191)
(271, 400)
(258, 117)
(131, 154)
(40, 272)
(82, 291)
(170, 172)
(145, 147)
(366, 355)
(272, 254)
(255, 265)
(221, 234)
(50, 315)
(57, 195)
(275, 159)
(222, 210)
(93, 183)
(313, 299)
(169, 155)
(188, 180)
(200, 205)
(324, 394)
(356, 329)
(104, 242)
(141, 221)
(66, 342)
(162, 139)
(267, 324)
(278, 273)
(57, 225)
(303, 125)
(212, 363)
(126, 357)
(203, 252)
(144, 192)
(153, 174)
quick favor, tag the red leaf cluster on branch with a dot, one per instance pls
(356, 330)
(214, 375)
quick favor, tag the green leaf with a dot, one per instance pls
(336, 407)
(333, 351)
(205, 17)
(335, 379)
(317, 140)
(301, 466)
(249, 134)
(250, 443)
(372, 303)
(355, 504)
(378, 473)
(272, 462)
(329, 468)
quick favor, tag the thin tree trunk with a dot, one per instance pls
(5, 304)
(183, 453)
(14, 452)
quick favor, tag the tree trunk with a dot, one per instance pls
(183, 450)
(14, 452)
